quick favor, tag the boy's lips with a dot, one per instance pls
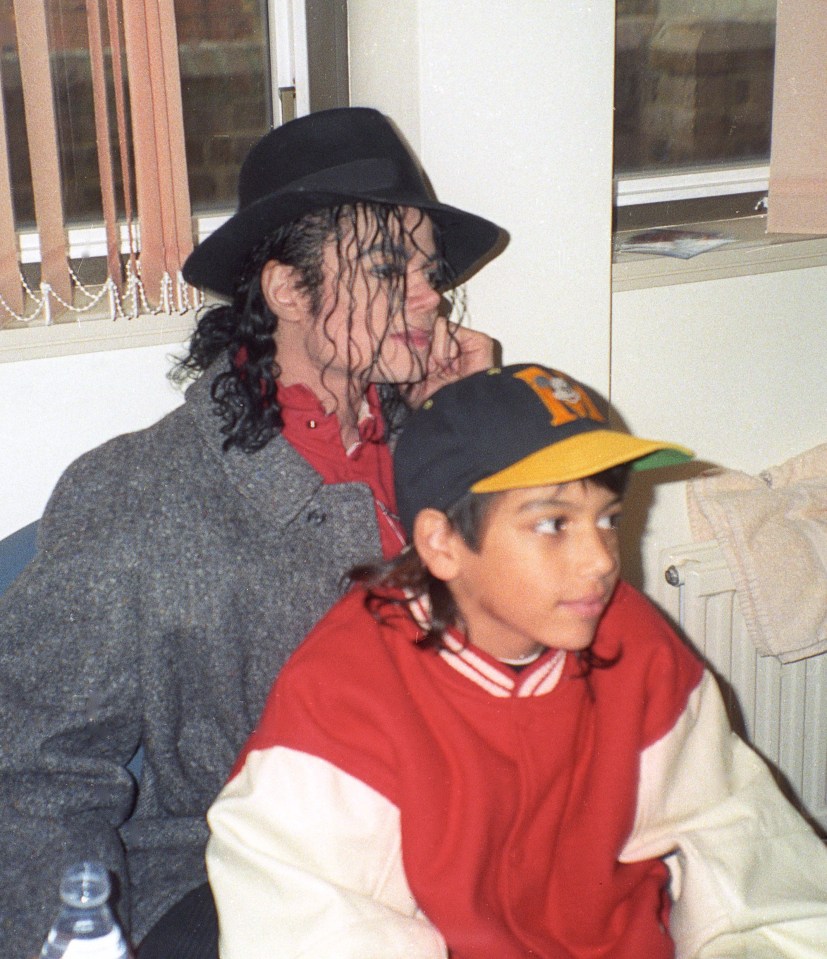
(588, 607)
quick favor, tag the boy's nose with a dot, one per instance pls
(599, 555)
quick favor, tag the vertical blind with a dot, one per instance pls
(139, 133)
(798, 157)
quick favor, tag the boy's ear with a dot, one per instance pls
(437, 543)
(279, 286)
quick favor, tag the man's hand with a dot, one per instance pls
(455, 352)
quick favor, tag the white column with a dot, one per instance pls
(509, 106)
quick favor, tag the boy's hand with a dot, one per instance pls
(455, 352)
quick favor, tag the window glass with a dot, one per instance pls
(223, 48)
(226, 89)
(693, 84)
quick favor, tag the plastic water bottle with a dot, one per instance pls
(85, 927)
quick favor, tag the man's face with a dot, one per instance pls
(379, 304)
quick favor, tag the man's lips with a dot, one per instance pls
(419, 339)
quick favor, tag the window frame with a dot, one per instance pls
(692, 184)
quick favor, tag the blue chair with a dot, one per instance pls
(15, 552)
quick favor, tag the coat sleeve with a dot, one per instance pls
(749, 876)
(305, 861)
(69, 725)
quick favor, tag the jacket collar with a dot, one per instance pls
(276, 479)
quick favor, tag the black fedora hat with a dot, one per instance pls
(324, 159)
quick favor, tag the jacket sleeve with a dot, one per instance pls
(69, 725)
(305, 861)
(749, 876)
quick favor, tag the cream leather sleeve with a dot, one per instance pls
(749, 876)
(305, 862)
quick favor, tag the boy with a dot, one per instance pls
(492, 748)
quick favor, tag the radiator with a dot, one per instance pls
(780, 709)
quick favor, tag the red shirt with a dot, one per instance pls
(315, 435)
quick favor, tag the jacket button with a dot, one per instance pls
(315, 517)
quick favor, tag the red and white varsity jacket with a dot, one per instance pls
(401, 802)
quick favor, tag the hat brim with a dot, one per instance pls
(580, 456)
(217, 262)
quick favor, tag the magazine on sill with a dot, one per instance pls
(670, 241)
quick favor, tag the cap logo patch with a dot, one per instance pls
(563, 400)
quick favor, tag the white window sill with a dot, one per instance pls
(93, 335)
(754, 251)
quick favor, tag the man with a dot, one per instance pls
(179, 566)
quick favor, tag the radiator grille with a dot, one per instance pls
(780, 709)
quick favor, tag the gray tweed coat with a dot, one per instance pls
(171, 582)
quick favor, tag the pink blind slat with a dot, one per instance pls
(160, 159)
(169, 128)
(798, 157)
(113, 16)
(102, 136)
(41, 129)
(11, 289)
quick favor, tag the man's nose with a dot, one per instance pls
(420, 293)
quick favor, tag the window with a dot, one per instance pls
(721, 114)
(222, 46)
(154, 105)
(693, 104)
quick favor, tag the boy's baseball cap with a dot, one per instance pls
(511, 428)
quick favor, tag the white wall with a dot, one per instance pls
(509, 106)
(734, 368)
(52, 410)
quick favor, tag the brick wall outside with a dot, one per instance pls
(195, 20)
(689, 93)
(225, 91)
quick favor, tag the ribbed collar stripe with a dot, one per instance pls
(544, 678)
(460, 663)
(493, 679)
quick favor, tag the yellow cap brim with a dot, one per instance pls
(580, 456)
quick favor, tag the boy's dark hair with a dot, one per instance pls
(407, 572)
(241, 333)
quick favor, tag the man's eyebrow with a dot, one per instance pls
(393, 248)
(401, 251)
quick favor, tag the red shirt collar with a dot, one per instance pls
(315, 435)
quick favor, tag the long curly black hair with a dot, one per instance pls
(241, 334)
(384, 579)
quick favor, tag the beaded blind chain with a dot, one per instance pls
(176, 296)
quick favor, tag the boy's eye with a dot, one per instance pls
(610, 521)
(551, 524)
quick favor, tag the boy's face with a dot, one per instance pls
(547, 566)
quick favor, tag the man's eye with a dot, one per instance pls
(436, 276)
(386, 271)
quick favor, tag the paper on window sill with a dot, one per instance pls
(668, 241)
